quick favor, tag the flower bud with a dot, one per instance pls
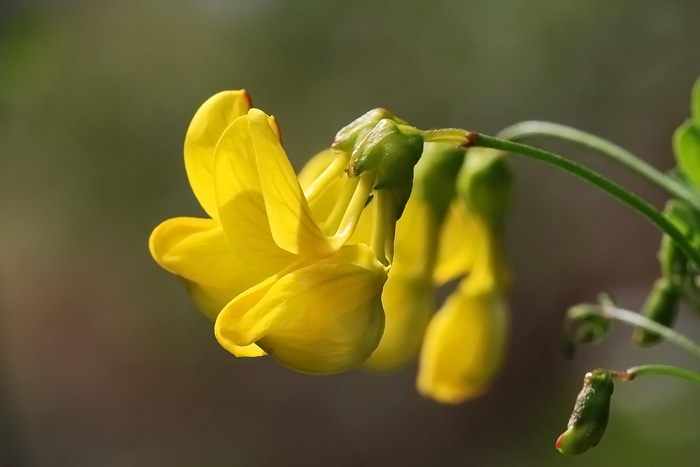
(590, 416)
(485, 184)
(393, 150)
(584, 324)
(352, 134)
(465, 343)
(661, 306)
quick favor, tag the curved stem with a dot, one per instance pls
(605, 184)
(604, 148)
(656, 369)
(635, 319)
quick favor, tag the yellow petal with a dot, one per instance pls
(291, 222)
(203, 134)
(322, 203)
(464, 344)
(315, 167)
(456, 250)
(408, 305)
(210, 301)
(321, 318)
(197, 250)
(242, 208)
(408, 294)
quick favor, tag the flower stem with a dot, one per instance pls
(655, 369)
(604, 148)
(635, 319)
(605, 184)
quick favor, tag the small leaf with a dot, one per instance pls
(686, 146)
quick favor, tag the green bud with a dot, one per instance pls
(661, 306)
(584, 324)
(353, 133)
(393, 150)
(435, 175)
(672, 260)
(590, 416)
(485, 183)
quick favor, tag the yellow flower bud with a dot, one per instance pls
(465, 343)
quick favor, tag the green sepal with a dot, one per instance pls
(686, 147)
(353, 133)
(589, 418)
(661, 306)
(435, 175)
(485, 184)
(393, 150)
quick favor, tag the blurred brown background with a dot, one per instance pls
(104, 361)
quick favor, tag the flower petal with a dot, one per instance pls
(316, 166)
(203, 134)
(291, 221)
(241, 204)
(464, 344)
(408, 294)
(456, 251)
(197, 250)
(321, 318)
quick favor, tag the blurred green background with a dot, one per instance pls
(104, 361)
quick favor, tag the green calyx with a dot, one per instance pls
(589, 418)
(485, 184)
(352, 134)
(392, 150)
(435, 175)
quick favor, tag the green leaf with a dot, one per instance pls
(686, 146)
(695, 103)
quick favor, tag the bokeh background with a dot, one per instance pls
(104, 361)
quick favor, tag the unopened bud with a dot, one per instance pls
(352, 134)
(589, 418)
(584, 324)
(661, 306)
(393, 150)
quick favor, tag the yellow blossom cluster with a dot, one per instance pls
(338, 266)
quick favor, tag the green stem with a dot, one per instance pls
(635, 319)
(605, 184)
(604, 148)
(655, 369)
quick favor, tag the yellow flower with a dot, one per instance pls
(430, 249)
(466, 339)
(283, 283)
(408, 294)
